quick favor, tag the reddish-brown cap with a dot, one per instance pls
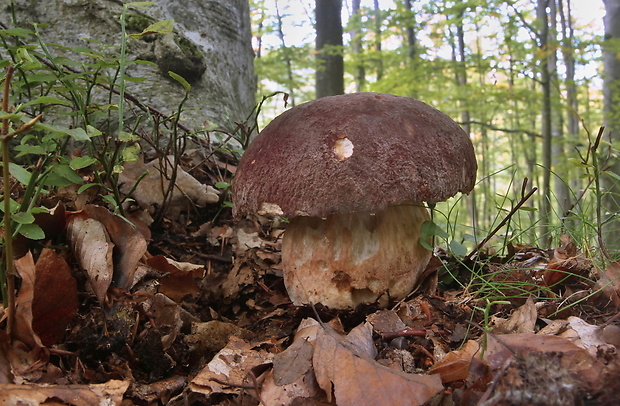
(354, 152)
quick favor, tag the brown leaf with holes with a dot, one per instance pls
(354, 378)
(93, 249)
(230, 369)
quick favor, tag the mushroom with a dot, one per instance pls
(351, 173)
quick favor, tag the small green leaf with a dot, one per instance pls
(32, 231)
(457, 248)
(86, 186)
(92, 131)
(19, 173)
(430, 229)
(131, 152)
(222, 185)
(160, 27)
(47, 100)
(82, 162)
(426, 244)
(127, 137)
(77, 134)
(64, 172)
(140, 4)
(227, 204)
(22, 217)
(181, 80)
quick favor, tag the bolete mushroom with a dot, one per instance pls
(351, 172)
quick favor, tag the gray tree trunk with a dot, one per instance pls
(611, 95)
(330, 63)
(210, 47)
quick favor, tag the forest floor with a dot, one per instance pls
(195, 312)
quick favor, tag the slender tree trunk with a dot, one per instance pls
(356, 45)
(545, 82)
(410, 29)
(287, 57)
(611, 97)
(378, 39)
(572, 114)
(330, 64)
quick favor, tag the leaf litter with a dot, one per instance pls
(195, 312)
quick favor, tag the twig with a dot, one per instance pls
(524, 198)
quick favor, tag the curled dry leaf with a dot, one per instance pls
(522, 320)
(93, 249)
(129, 242)
(22, 330)
(180, 278)
(356, 379)
(103, 394)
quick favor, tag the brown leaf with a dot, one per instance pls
(180, 279)
(455, 365)
(23, 330)
(522, 320)
(109, 393)
(55, 300)
(357, 379)
(503, 346)
(608, 284)
(93, 249)
(130, 244)
(231, 365)
(386, 321)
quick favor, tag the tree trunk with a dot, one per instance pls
(218, 64)
(330, 63)
(378, 40)
(410, 29)
(611, 97)
(545, 82)
(572, 118)
(356, 45)
(287, 57)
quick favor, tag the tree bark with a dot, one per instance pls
(356, 45)
(410, 29)
(378, 39)
(611, 98)
(330, 63)
(545, 82)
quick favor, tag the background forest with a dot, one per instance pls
(523, 78)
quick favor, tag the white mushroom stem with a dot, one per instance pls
(346, 259)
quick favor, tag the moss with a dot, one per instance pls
(137, 22)
(188, 47)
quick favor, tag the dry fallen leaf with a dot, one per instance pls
(608, 285)
(22, 330)
(356, 379)
(148, 194)
(130, 244)
(231, 365)
(103, 394)
(93, 249)
(55, 299)
(522, 320)
(455, 365)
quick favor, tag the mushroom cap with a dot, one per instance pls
(354, 152)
